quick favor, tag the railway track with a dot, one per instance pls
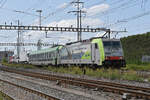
(5, 96)
(134, 91)
(47, 97)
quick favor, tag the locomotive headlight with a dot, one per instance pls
(121, 57)
(107, 58)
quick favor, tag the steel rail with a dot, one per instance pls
(48, 97)
(6, 96)
(135, 91)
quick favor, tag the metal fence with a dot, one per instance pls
(145, 58)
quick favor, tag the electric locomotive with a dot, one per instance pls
(95, 51)
(92, 52)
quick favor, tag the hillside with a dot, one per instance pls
(135, 47)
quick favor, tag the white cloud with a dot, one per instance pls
(94, 22)
(63, 23)
(35, 35)
(97, 9)
(64, 5)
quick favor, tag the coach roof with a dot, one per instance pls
(44, 50)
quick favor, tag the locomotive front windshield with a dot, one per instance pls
(112, 44)
(112, 48)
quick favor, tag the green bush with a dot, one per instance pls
(135, 47)
(4, 60)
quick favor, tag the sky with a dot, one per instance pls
(132, 15)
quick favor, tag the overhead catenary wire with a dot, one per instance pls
(123, 8)
(3, 3)
(59, 9)
(119, 2)
(120, 6)
(55, 12)
(18, 11)
(105, 1)
(3, 36)
(38, 4)
(146, 27)
(125, 20)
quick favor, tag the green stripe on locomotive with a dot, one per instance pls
(87, 55)
(101, 49)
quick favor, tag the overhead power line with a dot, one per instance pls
(23, 12)
(59, 10)
(137, 16)
(125, 20)
(3, 3)
(55, 12)
(120, 6)
(3, 36)
(78, 12)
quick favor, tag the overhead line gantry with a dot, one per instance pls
(46, 28)
(60, 29)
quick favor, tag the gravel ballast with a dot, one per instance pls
(49, 88)
(90, 94)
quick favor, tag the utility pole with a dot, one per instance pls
(78, 12)
(80, 33)
(18, 40)
(78, 8)
(40, 15)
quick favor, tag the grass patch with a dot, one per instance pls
(4, 97)
(132, 75)
(139, 67)
(104, 73)
(18, 65)
(69, 70)
(149, 79)
(101, 73)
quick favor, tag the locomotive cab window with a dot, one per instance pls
(114, 44)
(96, 46)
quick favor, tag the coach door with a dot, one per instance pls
(95, 53)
